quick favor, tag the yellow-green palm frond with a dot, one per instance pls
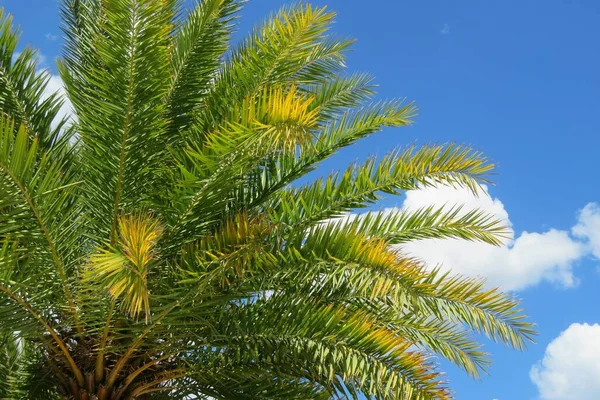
(124, 270)
(283, 111)
(274, 120)
(137, 238)
(487, 311)
(237, 251)
(292, 46)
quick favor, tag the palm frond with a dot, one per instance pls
(36, 198)
(199, 45)
(118, 89)
(326, 341)
(488, 311)
(334, 97)
(24, 374)
(280, 170)
(399, 226)
(398, 171)
(125, 270)
(287, 44)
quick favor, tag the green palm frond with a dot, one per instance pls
(24, 374)
(37, 198)
(160, 245)
(398, 171)
(128, 67)
(311, 335)
(335, 96)
(199, 45)
(454, 222)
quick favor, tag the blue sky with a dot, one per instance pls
(520, 81)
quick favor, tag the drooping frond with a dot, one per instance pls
(329, 341)
(487, 311)
(251, 383)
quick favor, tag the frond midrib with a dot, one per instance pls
(126, 126)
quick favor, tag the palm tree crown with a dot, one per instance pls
(155, 245)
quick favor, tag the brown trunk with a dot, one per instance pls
(71, 391)
(119, 377)
(100, 394)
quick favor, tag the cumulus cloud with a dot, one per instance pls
(51, 37)
(525, 260)
(588, 227)
(570, 369)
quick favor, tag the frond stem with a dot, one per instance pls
(99, 373)
(53, 333)
(126, 128)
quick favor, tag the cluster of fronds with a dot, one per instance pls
(155, 244)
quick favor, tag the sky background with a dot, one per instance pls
(518, 80)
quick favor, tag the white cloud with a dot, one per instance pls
(445, 29)
(525, 260)
(570, 369)
(51, 37)
(589, 227)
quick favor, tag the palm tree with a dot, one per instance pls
(157, 245)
